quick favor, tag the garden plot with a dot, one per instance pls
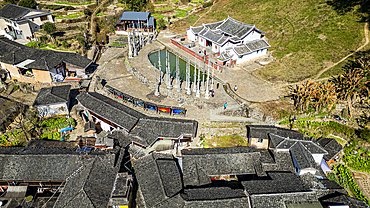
(53, 128)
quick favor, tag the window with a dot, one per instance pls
(260, 140)
(201, 40)
(33, 20)
(43, 18)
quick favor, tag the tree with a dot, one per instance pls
(136, 5)
(353, 84)
(28, 3)
(87, 12)
(9, 2)
(161, 24)
(49, 28)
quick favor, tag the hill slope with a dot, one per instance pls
(305, 35)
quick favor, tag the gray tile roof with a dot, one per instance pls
(196, 30)
(313, 148)
(142, 16)
(213, 25)
(52, 95)
(110, 109)
(286, 144)
(275, 140)
(235, 39)
(257, 45)
(159, 174)
(234, 27)
(302, 156)
(13, 53)
(241, 49)
(211, 36)
(281, 182)
(341, 199)
(278, 200)
(331, 146)
(91, 186)
(13, 12)
(199, 164)
(152, 128)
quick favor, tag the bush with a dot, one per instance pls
(69, 8)
(208, 4)
(16, 87)
(43, 38)
(49, 28)
(28, 3)
(345, 176)
(364, 134)
(161, 24)
(65, 44)
(87, 12)
(32, 44)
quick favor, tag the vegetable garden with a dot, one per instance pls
(51, 127)
(346, 180)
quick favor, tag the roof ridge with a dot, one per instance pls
(301, 145)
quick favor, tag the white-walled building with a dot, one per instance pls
(18, 22)
(234, 42)
(53, 100)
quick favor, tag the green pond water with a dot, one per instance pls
(182, 65)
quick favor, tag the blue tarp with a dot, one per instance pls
(66, 129)
(143, 16)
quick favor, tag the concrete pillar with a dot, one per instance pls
(168, 71)
(178, 75)
(195, 76)
(197, 94)
(206, 96)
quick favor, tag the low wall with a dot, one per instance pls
(196, 55)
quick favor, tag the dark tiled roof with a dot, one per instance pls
(331, 146)
(241, 50)
(257, 44)
(222, 40)
(302, 157)
(260, 131)
(235, 39)
(278, 200)
(275, 140)
(13, 53)
(52, 95)
(13, 12)
(213, 25)
(305, 204)
(89, 187)
(196, 30)
(341, 199)
(234, 27)
(135, 16)
(110, 109)
(212, 193)
(211, 36)
(159, 174)
(152, 128)
(286, 144)
(38, 143)
(199, 164)
(89, 125)
(313, 148)
(281, 182)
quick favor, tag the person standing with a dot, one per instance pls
(235, 88)
(225, 105)
(218, 84)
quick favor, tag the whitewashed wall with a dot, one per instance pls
(48, 110)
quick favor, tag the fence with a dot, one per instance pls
(146, 105)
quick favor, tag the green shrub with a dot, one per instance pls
(69, 8)
(346, 178)
(364, 134)
(16, 87)
(208, 4)
(340, 128)
(32, 44)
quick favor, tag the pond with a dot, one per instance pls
(182, 65)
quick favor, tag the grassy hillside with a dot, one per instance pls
(305, 35)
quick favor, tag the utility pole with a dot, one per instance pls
(147, 25)
(213, 77)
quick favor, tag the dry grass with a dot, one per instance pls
(233, 140)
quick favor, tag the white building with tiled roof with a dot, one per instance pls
(234, 42)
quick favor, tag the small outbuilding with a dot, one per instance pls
(53, 100)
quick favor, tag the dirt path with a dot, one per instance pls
(204, 13)
(94, 13)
